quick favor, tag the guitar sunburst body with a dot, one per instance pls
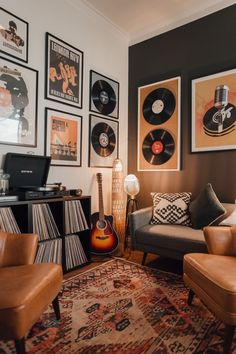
(104, 238)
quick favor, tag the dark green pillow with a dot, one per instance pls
(206, 208)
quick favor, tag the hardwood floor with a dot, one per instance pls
(154, 261)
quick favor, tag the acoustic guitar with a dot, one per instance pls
(104, 238)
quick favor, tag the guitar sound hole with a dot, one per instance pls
(101, 224)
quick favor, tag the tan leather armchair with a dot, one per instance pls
(212, 277)
(26, 289)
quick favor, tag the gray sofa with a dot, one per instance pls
(172, 241)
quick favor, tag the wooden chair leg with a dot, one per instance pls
(144, 258)
(190, 297)
(56, 308)
(20, 346)
(229, 334)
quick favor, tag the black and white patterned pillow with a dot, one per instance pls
(171, 208)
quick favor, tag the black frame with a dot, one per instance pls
(47, 109)
(25, 39)
(112, 82)
(90, 142)
(35, 109)
(81, 69)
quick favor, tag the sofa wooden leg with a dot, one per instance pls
(190, 297)
(229, 334)
(56, 308)
(144, 258)
(20, 346)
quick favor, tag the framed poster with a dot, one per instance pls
(159, 126)
(214, 112)
(13, 35)
(18, 104)
(64, 72)
(63, 140)
(104, 95)
(103, 141)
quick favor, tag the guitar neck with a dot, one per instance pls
(100, 200)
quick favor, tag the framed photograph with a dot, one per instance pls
(104, 95)
(63, 140)
(18, 104)
(64, 72)
(159, 147)
(214, 112)
(13, 35)
(103, 141)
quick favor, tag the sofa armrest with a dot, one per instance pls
(137, 219)
(17, 249)
(221, 240)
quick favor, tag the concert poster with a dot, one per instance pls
(64, 74)
(13, 35)
(63, 138)
(214, 112)
(18, 104)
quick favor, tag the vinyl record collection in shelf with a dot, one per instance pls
(75, 254)
(62, 224)
(7, 221)
(75, 220)
(49, 251)
(43, 222)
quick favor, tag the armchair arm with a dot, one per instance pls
(221, 240)
(137, 219)
(17, 249)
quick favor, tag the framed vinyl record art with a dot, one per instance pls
(13, 35)
(63, 140)
(18, 104)
(104, 95)
(159, 126)
(103, 141)
(64, 72)
(214, 112)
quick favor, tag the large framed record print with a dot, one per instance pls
(13, 35)
(18, 104)
(159, 126)
(103, 141)
(104, 95)
(63, 137)
(214, 112)
(64, 72)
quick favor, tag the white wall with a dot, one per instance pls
(105, 50)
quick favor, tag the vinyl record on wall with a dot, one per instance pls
(104, 95)
(159, 106)
(103, 137)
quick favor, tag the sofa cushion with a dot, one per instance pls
(206, 208)
(171, 208)
(180, 238)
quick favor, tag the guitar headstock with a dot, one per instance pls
(99, 177)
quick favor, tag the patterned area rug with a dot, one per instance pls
(121, 307)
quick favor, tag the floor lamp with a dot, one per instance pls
(132, 188)
(118, 203)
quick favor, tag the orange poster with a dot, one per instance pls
(214, 112)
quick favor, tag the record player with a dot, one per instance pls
(28, 176)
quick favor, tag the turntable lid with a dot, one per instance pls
(26, 170)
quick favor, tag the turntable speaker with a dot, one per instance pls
(159, 126)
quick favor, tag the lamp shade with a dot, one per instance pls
(131, 185)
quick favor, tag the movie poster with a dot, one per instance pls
(63, 138)
(64, 72)
(18, 104)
